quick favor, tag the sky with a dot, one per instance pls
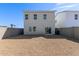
(12, 13)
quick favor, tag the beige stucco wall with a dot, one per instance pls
(40, 23)
(60, 20)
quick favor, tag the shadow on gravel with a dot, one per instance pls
(44, 36)
(37, 36)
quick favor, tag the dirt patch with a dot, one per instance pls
(39, 46)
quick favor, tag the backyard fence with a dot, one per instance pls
(8, 32)
(72, 32)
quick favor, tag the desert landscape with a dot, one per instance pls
(38, 46)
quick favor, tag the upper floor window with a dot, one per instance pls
(44, 16)
(76, 16)
(26, 16)
(35, 16)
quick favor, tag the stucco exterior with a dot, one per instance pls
(66, 19)
(40, 23)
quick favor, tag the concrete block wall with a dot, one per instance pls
(66, 32)
(8, 32)
(76, 32)
(72, 32)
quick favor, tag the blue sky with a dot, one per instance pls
(12, 13)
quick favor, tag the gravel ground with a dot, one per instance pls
(38, 46)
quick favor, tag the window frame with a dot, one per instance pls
(34, 29)
(26, 16)
(35, 16)
(45, 16)
(76, 16)
(30, 29)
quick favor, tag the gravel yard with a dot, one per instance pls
(38, 46)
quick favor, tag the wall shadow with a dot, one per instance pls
(43, 36)
(15, 33)
(36, 36)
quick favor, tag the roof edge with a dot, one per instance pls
(39, 11)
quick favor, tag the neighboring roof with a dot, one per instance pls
(69, 11)
(33, 11)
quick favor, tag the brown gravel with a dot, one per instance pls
(38, 46)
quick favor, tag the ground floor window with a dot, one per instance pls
(30, 29)
(48, 30)
(34, 28)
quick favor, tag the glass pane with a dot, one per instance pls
(26, 16)
(45, 16)
(34, 29)
(30, 29)
(35, 16)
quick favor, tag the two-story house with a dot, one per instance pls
(66, 19)
(39, 22)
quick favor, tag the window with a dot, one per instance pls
(44, 16)
(34, 28)
(48, 30)
(30, 29)
(35, 16)
(26, 16)
(76, 16)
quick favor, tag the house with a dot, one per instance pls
(39, 22)
(67, 19)
(67, 24)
